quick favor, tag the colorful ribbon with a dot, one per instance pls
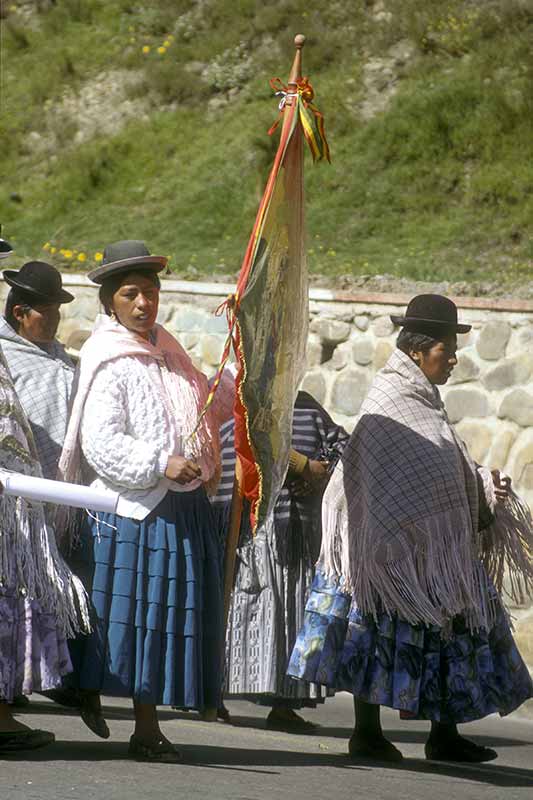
(312, 120)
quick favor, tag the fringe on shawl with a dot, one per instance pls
(30, 561)
(435, 577)
(507, 549)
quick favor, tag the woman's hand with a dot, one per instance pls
(502, 485)
(182, 470)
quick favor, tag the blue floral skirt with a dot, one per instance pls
(409, 667)
(157, 597)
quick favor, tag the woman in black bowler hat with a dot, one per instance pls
(403, 611)
(41, 369)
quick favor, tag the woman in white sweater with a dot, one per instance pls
(157, 581)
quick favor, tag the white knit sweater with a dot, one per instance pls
(128, 430)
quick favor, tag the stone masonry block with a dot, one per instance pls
(188, 319)
(492, 340)
(461, 403)
(509, 372)
(349, 391)
(466, 370)
(314, 351)
(211, 347)
(363, 350)
(523, 462)
(340, 357)
(501, 447)
(330, 330)
(382, 354)
(477, 436)
(518, 407)
(383, 326)
(315, 383)
(362, 322)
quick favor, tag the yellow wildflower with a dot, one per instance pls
(53, 250)
(171, 37)
(67, 253)
(82, 257)
(46, 246)
(161, 50)
(167, 43)
(146, 49)
(98, 256)
(132, 39)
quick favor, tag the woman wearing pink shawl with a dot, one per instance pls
(156, 587)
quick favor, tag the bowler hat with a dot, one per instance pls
(40, 281)
(431, 313)
(5, 249)
(123, 257)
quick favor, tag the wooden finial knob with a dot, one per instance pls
(296, 71)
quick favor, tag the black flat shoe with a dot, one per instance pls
(462, 750)
(223, 713)
(376, 749)
(93, 717)
(161, 751)
(12, 741)
(20, 701)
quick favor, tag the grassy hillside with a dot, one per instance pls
(148, 120)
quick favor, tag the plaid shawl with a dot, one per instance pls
(400, 514)
(30, 563)
(43, 380)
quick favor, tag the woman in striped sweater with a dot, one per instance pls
(274, 569)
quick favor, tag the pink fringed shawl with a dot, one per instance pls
(186, 389)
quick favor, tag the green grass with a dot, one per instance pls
(438, 187)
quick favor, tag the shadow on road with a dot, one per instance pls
(272, 761)
(399, 736)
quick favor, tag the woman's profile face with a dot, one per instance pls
(438, 362)
(135, 303)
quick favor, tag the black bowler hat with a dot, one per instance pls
(40, 281)
(5, 249)
(123, 257)
(431, 313)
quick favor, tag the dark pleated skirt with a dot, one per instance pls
(157, 597)
(458, 678)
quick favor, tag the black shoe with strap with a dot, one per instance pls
(160, 751)
(458, 749)
(29, 739)
(374, 748)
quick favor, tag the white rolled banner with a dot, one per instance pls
(58, 492)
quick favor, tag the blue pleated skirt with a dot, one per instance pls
(413, 668)
(157, 597)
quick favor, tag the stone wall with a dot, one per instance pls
(489, 397)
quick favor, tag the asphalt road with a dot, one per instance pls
(246, 762)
